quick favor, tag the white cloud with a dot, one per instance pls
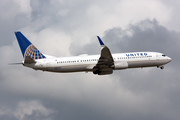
(128, 11)
(54, 42)
(25, 109)
(24, 6)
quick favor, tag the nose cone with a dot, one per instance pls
(169, 59)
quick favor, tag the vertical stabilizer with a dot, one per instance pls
(27, 48)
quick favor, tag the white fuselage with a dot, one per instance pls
(87, 62)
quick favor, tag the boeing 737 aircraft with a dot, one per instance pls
(102, 64)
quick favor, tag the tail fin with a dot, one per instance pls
(27, 48)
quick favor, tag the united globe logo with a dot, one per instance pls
(34, 53)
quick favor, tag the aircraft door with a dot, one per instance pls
(157, 57)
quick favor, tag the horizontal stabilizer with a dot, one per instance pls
(29, 60)
(15, 63)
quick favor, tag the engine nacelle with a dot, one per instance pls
(121, 65)
(105, 72)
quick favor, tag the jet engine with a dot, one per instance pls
(121, 65)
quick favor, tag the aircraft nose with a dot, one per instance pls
(169, 59)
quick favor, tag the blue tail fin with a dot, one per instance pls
(27, 48)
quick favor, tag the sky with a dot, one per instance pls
(69, 28)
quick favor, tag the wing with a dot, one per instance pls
(105, 63)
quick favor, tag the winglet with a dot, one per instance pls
(100, 41)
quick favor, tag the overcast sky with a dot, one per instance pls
(70, 27)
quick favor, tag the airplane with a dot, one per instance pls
(102, 64)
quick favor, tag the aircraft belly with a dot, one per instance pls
(68, 68)
(161, 62)
(146, 63)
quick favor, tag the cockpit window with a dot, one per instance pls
(163, 55)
